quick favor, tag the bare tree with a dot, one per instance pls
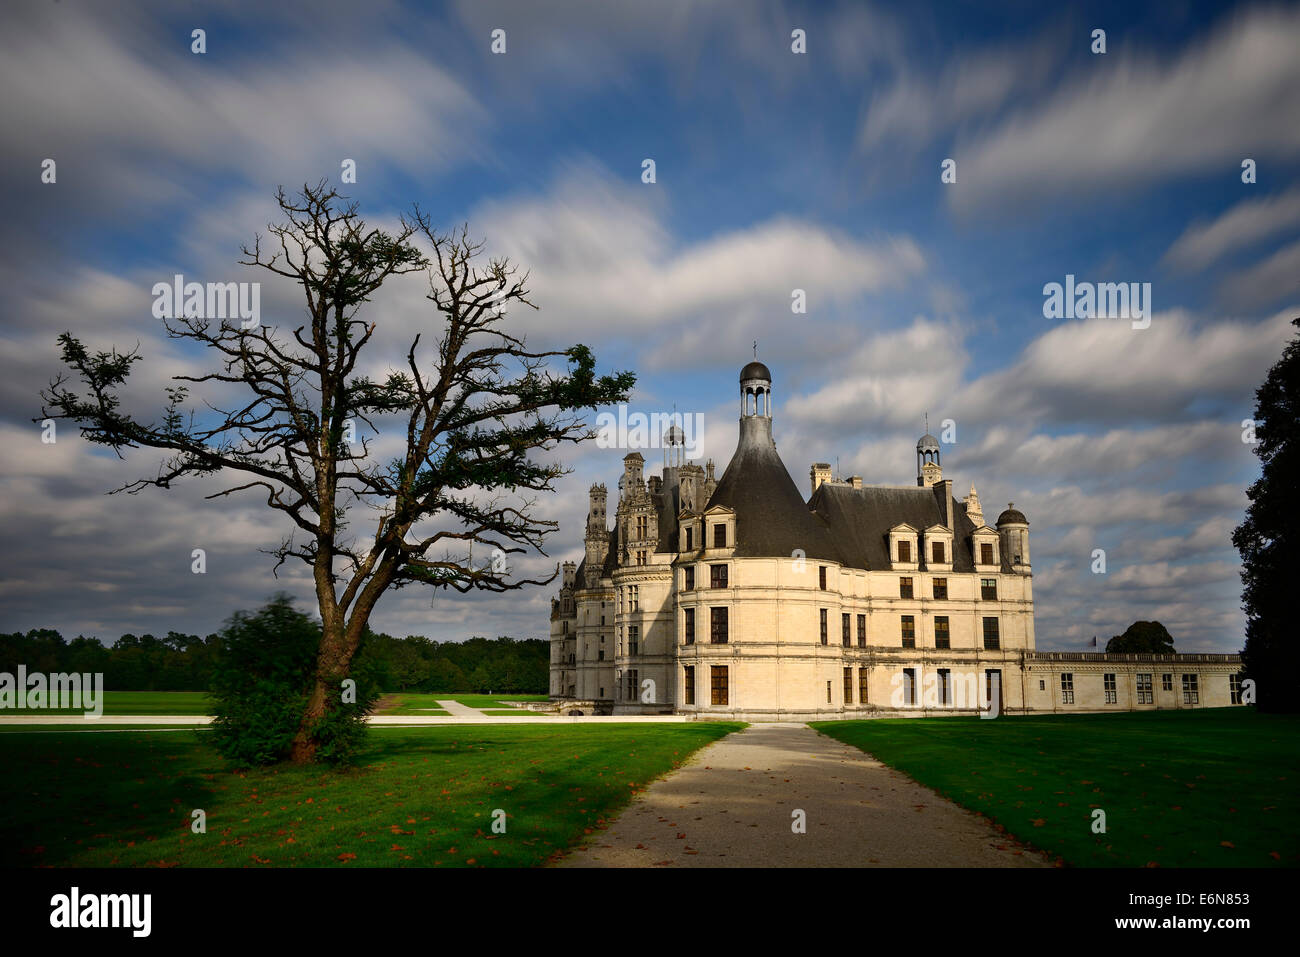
(474, 408)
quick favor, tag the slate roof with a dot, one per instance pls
(772, 519)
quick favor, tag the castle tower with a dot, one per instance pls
(597, 537)
(928, 470)
(1013, 532)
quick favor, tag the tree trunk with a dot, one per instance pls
(332, 664)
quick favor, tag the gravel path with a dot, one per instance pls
(731, 805)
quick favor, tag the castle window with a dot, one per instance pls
(690, 578)
(821, 577)
(986, 553)
(904, 552)
(600, 656)
(823, 622)
(717, 576)
(690, 684)
(690, 626)
(633, 597)
(989, 589)
(631, 684)
(642, 526)
(993, 687)
(862, 631)
(828, 692)
(1145, 693)
(846, 635)
(1067, 688)
(1108, 685)
(718, 626)
(990, 634)
(690, 538)
(1191, 693)
(863, 674)
(848, 686)
(905, 588)
(941, 588)
(720, 536)
(936, 553)
(633, 636)
(941, 636)
(1042, 685)
(945, 686)
(909, 686)
(718, 683)
(1166, 682)
(1234, 689)
(909, 631)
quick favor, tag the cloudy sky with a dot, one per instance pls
(775, 171)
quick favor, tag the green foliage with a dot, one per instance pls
(1143, 638)
(260, 681)
(1269, 538)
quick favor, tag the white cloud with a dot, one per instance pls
(1245, 224)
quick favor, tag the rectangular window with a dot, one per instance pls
(1166, 682)
(904, 552)
(862, 631)
(909, 631)
(862, 685)
(846, 630)
(1191, 694)
(942, 638)
(1067, 688)
(989, 589)
(1145, 693)
(1108, 685)
(909, 686)
(690, 684)
(945, 686)
(848, 686)
(990, 634)
(633, 635)
(823, 623)
(631, 684)
(821, 577)
(690, 539)
(718, 684)
(993, 687)
(720, 536)
(905, 588)
(717, 576)
(828, 692)
(690, 578)
(941, 588)
(936, 553)
(641, 526)
(690, 626)
(600, 654)
(986, 553)
(640, 556)
(633, 597)
(1234, 689)
(718, 626)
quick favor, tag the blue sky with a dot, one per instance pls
(775, 171)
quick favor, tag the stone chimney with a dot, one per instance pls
(820, 473)
(943, 489)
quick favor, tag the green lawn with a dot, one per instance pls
(136, 702)
(1179, 788)
(420, 703)
(419, 797)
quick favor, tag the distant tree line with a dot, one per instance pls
(186, 662)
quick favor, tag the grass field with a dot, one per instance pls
(1179, 788)
(421, 704)
(419, 797)
(136, 702)
(198, 703)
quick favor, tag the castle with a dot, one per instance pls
(735, 598)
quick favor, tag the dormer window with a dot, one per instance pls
(720, 535)
(690, 539)
(904, 552)
(986, 553)
(937, 553)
